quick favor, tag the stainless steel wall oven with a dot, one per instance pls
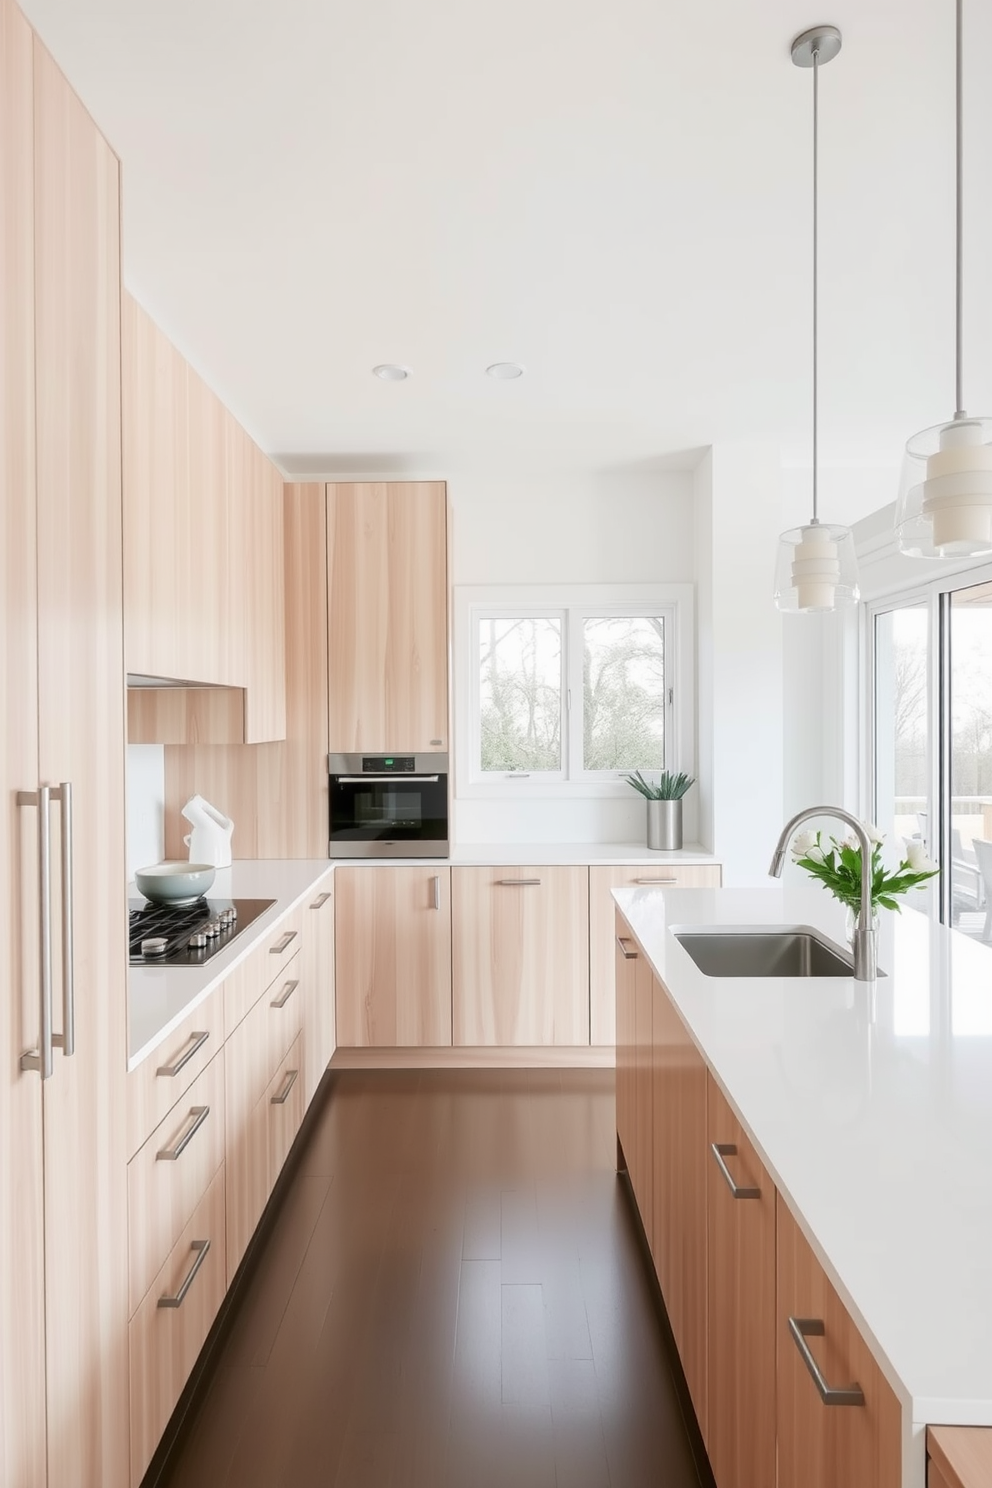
(388, 805)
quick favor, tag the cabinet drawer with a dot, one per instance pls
(284, 1100)
(168, 1330)
(247, 982)
(168, 1176)
(168, 1072)
(258, 1044)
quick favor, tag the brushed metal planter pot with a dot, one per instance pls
(665, 825)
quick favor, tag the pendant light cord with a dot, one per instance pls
(959, 222)
(816, 123)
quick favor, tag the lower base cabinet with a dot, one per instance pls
(171, 1325)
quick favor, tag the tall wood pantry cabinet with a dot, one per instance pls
(63, 1207)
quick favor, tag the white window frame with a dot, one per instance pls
(574, 603)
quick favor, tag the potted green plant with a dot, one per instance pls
(664, 807)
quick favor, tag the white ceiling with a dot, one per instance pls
(617, 195)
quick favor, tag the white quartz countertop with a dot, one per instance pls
(871, 1107)
(159, 997)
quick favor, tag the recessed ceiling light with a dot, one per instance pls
(505, 371)
(391, 372)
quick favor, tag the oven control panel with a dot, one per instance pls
(393, 764)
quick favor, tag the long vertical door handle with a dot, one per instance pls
(67, 1038)
(436, 890)
(42, 1060)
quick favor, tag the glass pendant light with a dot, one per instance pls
(945, 496)
(817, 568)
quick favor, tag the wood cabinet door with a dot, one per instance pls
(627, 954)
(679, 1190)
(317, 971)
(387, 616)
(602, 958)
(823, 1445)
(392, 975)
(22, 1284)
(642, 1172)
(740, 1393)
(81, 740)
(264, 596)
(520, 956)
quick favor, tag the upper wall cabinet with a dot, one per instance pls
(387, 616)
(203, 585)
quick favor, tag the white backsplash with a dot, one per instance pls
(145, 805)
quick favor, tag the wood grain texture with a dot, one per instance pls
(158, 514)
(162, 1194)
(602, 929)
(960, 1455)
(22, 1237)
(624, 978)
(740, 1249)
(185, 715)
(520, 956)
(680, 1178)
(387, 616)
(164, 1342)
(149, 1095)
(265, 616)
(393, 956)
(285, 1115)
(259, 1042)
(318, 985)
(218, 644)
(81, 739)
(641, 1166)
(275, 793)
(820, 1446)
(469, 1057)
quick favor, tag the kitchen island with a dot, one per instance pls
(869, 1107)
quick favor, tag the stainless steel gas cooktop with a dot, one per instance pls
(187, 935)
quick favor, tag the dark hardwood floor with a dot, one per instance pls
(453, 1295)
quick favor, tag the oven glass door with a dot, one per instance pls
(394, 808)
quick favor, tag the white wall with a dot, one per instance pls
(145, 805)
(566, 528)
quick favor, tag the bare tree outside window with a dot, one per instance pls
(623, 677)
(520, 693)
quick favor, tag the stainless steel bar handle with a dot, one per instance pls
(399, 778)
(197, 1116)
(196, 1041)
(720, 1150)
(655, 880)
(199, 1249)
(436, 890)
(281, 944)
(518, 883)
(623, 943)
(287, 992)
(42, 1060)
(66, 1040)
(288, 1083)
(803, 1328)
(320, 901)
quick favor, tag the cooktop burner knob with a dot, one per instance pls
(227, 917)
(154, 945)
(198, 941)
(212, 929)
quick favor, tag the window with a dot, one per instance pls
(576, 692)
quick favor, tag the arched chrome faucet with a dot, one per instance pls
(865, 939)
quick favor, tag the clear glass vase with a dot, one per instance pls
(850, 920)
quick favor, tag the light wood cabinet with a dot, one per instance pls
(602, 928)
(627, 954)
(263, 598)
(642, 1173)
(959, 1456)
(824, 1445)
(520, 956)
(393, 928)
(678, 1231)
(63, 1204)
(387, 616)
(317, 971)
(740, 1246)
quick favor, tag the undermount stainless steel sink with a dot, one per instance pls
(764, 951)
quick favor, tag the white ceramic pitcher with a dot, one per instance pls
(210, 839)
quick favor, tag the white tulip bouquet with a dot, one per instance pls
(837, 865)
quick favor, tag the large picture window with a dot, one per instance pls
(582, 691)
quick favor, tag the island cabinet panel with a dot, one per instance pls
(627, 954)
(824, 1445)
(642, 1172)
(520, 956)
(387, 616)
(679, 1190)
(602, 928)
(959, 1456)
(393, 956)
(740, 1392)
